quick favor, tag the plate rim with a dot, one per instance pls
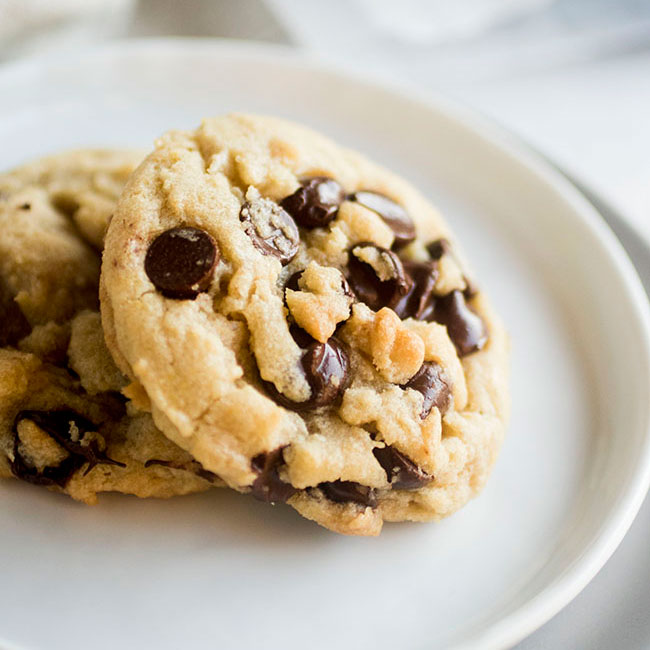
(526, 618)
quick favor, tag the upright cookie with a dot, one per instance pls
(303, 325)
(63, 422)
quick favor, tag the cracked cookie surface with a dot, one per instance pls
(302, 324)
(63, 422)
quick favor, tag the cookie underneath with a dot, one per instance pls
(64, 424)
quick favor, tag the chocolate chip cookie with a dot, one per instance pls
(304, 325)
(63, 422)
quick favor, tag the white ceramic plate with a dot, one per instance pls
(594, 620)
(220, 570)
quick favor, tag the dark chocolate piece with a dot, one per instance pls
(419, 301)
(271, 229)
(438, 248)
(302, 338)
(268, 486)
(431, 380)
(292, 282)
(180, 262)
(369, 288)
(402, 472)
(67, 428)
(326, 368)
(349, 492)
(391, 212)
(315, 203)
(465, 327)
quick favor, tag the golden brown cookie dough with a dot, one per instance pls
(301, 324)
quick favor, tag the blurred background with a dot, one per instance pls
(570, 76)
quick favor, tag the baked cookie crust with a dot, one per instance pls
(303, 324)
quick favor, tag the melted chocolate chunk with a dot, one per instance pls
(326, 367)
(369, 288)
(292, 282)
(271, 229)
(431, 380)
(349, 492)
(13, 324)
(315, 203)
(392, 213)
(180, 262)
(56, 475)
(26, 206)
(192, 466)
(465, 327)
(419, 301)
(268, 486)
(347, 289)
(402, 472)
(438, 248)
(302, 338)
(67, 428)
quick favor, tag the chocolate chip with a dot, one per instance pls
(347, 290)
(315, 203)
(349, 492)
(292, 282)
(26, 206)
(271, 229)
(268, 486)
(366, 284)
(191, 466)
(431, 380)
(55, 475)
(302, 338)
(68, 429)
(465, 327)
(326, 368)
(392, 213)
(438, 248)
(419, 301)
(180, 262)
(13, 324)
(402, 472)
